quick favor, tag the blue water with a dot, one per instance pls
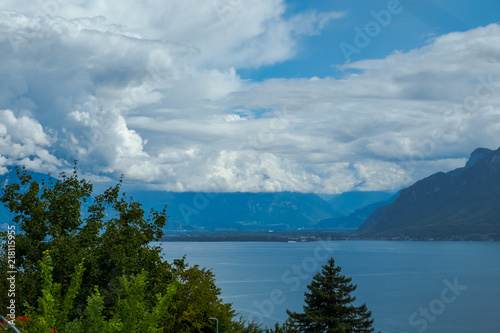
(408, 286)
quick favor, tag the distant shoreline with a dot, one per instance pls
(304, 236)
(292, 236)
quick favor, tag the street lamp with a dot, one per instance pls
(217, 320)
(9, 324)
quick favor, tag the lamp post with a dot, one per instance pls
(14, 328)
(217, 320)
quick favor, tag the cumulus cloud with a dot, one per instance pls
(24, 141)
(224, 32)
(395, 119)
(152, 91)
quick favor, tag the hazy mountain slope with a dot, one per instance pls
(353, 220)
(240, 211)
(348, 202)
(220, 211)
(463, 203)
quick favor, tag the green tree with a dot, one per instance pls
(286, 327)
(130, 314)
(197, 300)
(109, 231)
(113, 234)
(244, 326)
(329, 305)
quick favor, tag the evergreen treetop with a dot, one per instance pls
(329, 305)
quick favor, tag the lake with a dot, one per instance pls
(408, 286)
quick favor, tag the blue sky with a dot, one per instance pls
(413, 27)
(262, 95)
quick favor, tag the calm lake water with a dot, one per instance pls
(409, 286)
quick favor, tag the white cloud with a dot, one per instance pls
(397, 119)
(152, 90)
(224, 32)
(23, 141)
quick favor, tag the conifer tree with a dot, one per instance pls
(329, 305)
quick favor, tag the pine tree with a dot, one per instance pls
(329, 305)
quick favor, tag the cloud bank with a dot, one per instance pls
(152, 91)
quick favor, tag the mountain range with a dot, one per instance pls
(240, 211)
(244, 211)
(348, 202)
(354, 219)
(461, 204)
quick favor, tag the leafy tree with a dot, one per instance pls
(130, 314)
(243, 326)
(108, 237)
(197, 301)
(329, 305)
(111, 232)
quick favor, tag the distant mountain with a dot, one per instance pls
(348, 202)
(461, 204)
(239, 211)
(191, 211)
(220, 211)
(353, 220)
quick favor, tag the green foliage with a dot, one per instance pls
(111, 232)
(53, 308)
(329, 305)
(131, 314)
(136, 290)
(287, 327)
(243, 326)
(93, 318)
(196, 301)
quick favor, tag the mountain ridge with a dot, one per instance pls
(227, 212)
(461, 204)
